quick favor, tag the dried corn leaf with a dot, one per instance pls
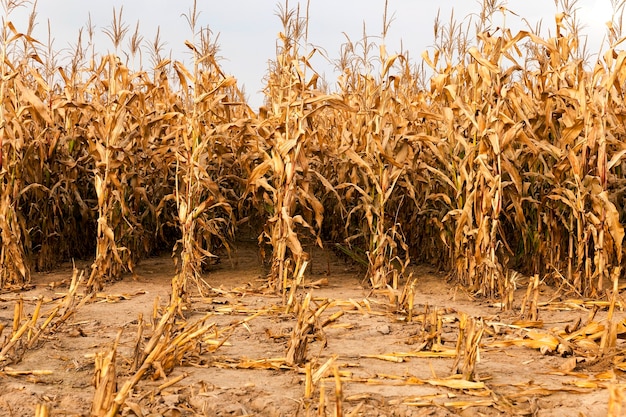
(463, 405)
(456, 383)
(434, 353)
(388, 357)
(582, 384)
(528, 324)
(36, 372)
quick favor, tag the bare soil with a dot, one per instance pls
(247, 375)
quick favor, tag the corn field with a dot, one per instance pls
(501, 154)
(509, 157)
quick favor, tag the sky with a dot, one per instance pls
(247, 30)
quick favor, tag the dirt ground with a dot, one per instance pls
(380, 362)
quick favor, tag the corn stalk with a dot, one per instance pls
(293, 102)
(204, 215)
(16, 98)
(110, 143)
(375, 156)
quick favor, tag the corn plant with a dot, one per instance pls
(377, 161)
(292, 103)
(203, 213)
(16, 98)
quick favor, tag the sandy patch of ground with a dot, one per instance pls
(372, 349)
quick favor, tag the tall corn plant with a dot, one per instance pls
(52, 171)
(15, 135)
(204, 215)
(110, 141)
(375, 153)
(581, 224)
(469, 168)
(475, 167)
(477, 230)
(126, 145)
(283, 175)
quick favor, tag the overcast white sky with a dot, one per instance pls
(248, 28)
